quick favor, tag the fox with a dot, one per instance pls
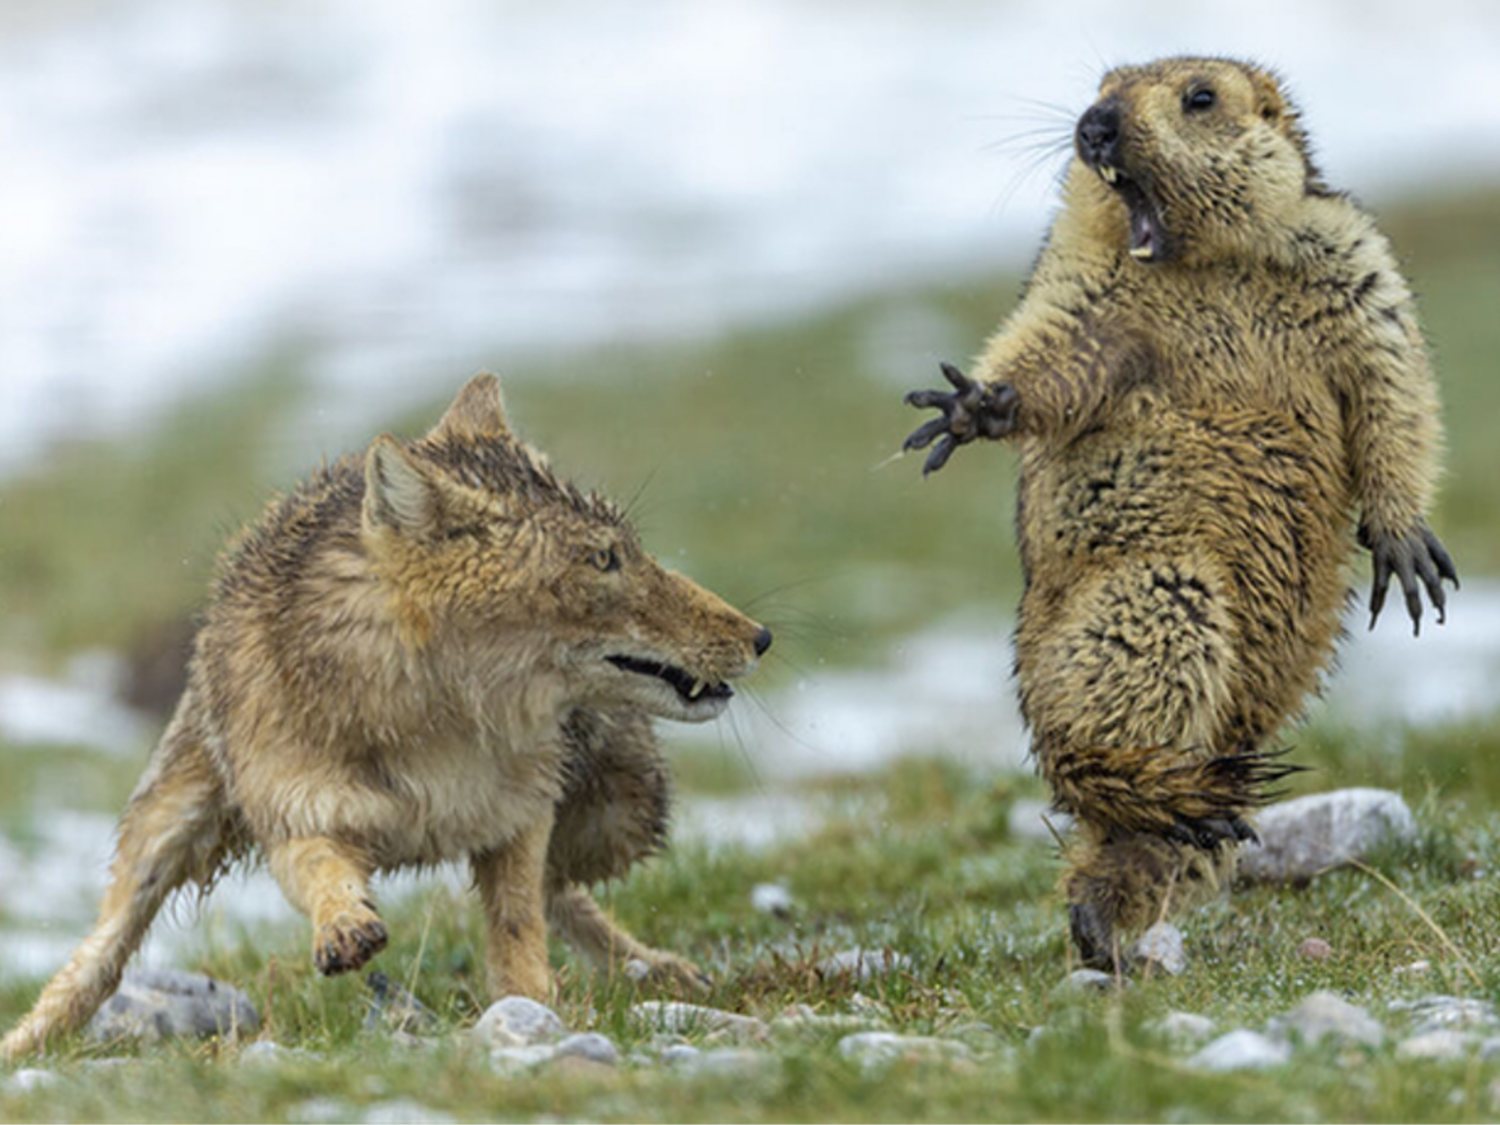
(436, 649)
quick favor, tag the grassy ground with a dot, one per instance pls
(756, 459)
(918, 859)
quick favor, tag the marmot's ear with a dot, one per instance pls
(477, 411)
(399, 493)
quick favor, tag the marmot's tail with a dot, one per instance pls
(173, 830)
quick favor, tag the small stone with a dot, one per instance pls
(1241, 1050)
(1308, 835)
(155, 1004)
(514, 1060)
(1441, 1044)
(1440, 1013)
(873, 1049)
(395, 1009)
(28, 1079)
(517, 1021)
(680, 1054)
(1028, 819)
(729, 1060)
(401, 1111)
(1184, 1029)
(320, 1111)
(678, 1017)
(1086, 980)
(590, 1045)
(1160, 949)
(1314, 949)
(1325, 1014)
(773, 899)
(863, 964)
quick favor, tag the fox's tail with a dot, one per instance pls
(175, 828)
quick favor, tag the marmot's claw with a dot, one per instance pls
(1419, 560)
(1210, 833)
(971, 410)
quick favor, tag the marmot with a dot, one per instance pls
(1214, 377)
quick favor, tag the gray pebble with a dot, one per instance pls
(863, 964)
(1444, 1043)
(1184, 1029)
(677, 1017)
(1305, 836)
(517, 1021)
(155, 1004)
(590, 1045)
(1438, 1012)
(28, 1079)
(1325, 1014)
(1160, 949)
(873, 1049)
(680, 1054)
(1241, 1050)
(401, 1111)
(729, 1060)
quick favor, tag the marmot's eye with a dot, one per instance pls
(1196, 100)
(605, 559)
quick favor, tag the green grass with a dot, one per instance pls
(914, 858)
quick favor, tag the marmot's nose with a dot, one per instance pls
(762, 641)
(1098, 133)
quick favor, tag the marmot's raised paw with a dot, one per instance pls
(1416, 555)
(971, 410)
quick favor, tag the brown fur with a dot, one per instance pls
(407, 660)
(1215, 368)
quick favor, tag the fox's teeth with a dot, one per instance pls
(1108, 173)
(1144, 253)
(697, 689)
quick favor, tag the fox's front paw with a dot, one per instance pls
(1415, 557)
(667, 972)
(971, 410)
(348, 940)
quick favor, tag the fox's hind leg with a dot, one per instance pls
(176, 828)
(590, 930)
(330, 883)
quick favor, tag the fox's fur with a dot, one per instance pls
(433, 650)
(1215, 373)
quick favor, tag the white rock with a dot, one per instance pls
(680, 1054)
(155, 1004)
(1305, 836)
(1444, 1043)
(404, 1111)
(1086, 980)
(772, 898)
(1241, 1050)
(1185, 1029)
(1438, 1012)
(728, 1060)
(863, 964)
(517, 1021)
(1160, 949)
(514, 1060)
(1326, 1014)
(1028, 819)
(678, 1017)
(881, 1048)
(590, 1045)
(27, 1079)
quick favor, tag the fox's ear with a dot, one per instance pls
(476, 412)
(399, 493)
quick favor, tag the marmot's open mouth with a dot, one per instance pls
(688, 686)
(1148, 241)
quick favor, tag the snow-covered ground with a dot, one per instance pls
(413, 191)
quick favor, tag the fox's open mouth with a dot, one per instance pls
(689, 687)
(1148, 238)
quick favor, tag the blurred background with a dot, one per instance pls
(708, 246)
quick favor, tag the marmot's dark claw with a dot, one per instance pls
(971, 410)
(1419, 560)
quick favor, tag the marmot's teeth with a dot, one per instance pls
(1144, 253)
(697, 689)
(1108, 173)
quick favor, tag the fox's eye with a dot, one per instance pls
(605, 559)
(1198, 100)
